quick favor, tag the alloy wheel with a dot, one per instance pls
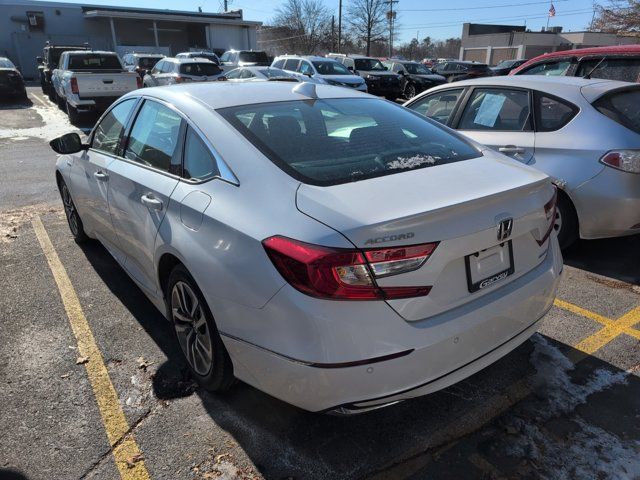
(70, 210)
(192, 329)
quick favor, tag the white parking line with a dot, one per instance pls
(40, 101)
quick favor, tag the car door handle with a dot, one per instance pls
(149, 201)
(101, 176)
(511, 149)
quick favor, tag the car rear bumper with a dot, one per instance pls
(608, 205)
(437, 351)
(90, 104)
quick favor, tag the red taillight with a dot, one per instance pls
(74, 85)
(345, 274)
(550, 213)
(625, 160)
(139, 81)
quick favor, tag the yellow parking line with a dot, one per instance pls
(570, 307)
(605, 335)
(125, 450)
(42, 102)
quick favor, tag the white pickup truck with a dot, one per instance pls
(90, 81)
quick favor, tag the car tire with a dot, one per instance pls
(73, 217)
(409, 91)
(72, 113)
(391, 98)
(60, 101)
(196, 332)
(566, 221)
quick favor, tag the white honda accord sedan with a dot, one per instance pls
(333, 249)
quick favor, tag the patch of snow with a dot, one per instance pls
(411, 162)
(55, 121)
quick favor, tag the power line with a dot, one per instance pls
(477, 8)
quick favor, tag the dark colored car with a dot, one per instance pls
(11, 82)
(505, 66)
(621, 62)
(48, 62)
(414, 77)
(461, 70)
(141, 63)
(380, 81)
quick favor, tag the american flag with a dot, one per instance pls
(552, 10)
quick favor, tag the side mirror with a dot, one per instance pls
(68, 144)
(309, 74)
(386, 68)
(39, 59)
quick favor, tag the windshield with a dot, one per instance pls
(273, 72)
(621, 107)
(200, 69)
(148, 62)
(506, 64)
(333, 141)
(6, 63)
(331, 68)
(94, 61)
(254, 57)
(417, 69)
(369, 64)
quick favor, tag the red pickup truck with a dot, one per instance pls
(614, 63)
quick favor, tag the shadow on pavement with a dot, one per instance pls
(10, 474)
(15, 104)
(283, 441)
(617, 258)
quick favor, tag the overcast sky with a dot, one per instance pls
(438, 19)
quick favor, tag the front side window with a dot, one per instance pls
(334, 141)
(106, 137)
(330, 67)
(154, 138)
(246, 73)
(226, 57)
(553, 113)
(623, 69)
(199, 163)
(550, 69)
(158, 68)
(291, 64)
(497, 109)
(305, 68)
(438, 106)
(147, 62)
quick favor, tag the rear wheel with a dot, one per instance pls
(72, 112)
(566, 222)
(73, 218)
(409, 91)
(197, 333)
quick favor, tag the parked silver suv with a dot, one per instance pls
(320, 70)
(180, 70)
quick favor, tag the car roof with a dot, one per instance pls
(88, 52)
(564, 87)
(215, 95)
(142, 54)
(189, 60)
(583, 52)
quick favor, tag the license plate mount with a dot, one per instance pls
(489, 266)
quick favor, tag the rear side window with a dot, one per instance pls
(497, 109)
(553, 69)
(438, 106)
(621, 107)
(278, 63)
(200, 69)
(623, 69)
(154, 138)
(552, 113)
(108, 132)
(199, 163)
(333, 141)
(291, 64)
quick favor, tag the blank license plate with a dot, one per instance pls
(487, 267)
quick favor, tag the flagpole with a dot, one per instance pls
(549, 15)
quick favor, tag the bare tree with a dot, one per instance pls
(307, 21)
(367, 21)
(620, 16)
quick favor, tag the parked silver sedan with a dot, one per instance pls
(332, 249)
(584, 133)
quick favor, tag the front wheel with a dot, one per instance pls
(197, 333)
(409, 91)
(73, 218)
(566, 222)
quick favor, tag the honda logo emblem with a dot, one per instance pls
(504, 229)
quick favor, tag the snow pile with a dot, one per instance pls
(55, 121)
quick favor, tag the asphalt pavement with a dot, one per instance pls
(564, 405)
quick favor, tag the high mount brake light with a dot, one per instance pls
(346, 274)
(550, 213)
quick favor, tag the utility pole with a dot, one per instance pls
(339, 25)
(226, 7)
(391, 17)
(333, 33)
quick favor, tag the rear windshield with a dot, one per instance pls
(369, 64)
(331, 68)
(333, 141)
(200, 69)
(623, 69)
(148, 62)
(621, 107)
(95, 61)
(6, 63)
(254, 57)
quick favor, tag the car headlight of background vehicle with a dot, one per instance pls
(372, 77)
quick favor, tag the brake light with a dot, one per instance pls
(74, 85)
(346, 274)
(625, 160)
(139, 81)
(550, 213)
